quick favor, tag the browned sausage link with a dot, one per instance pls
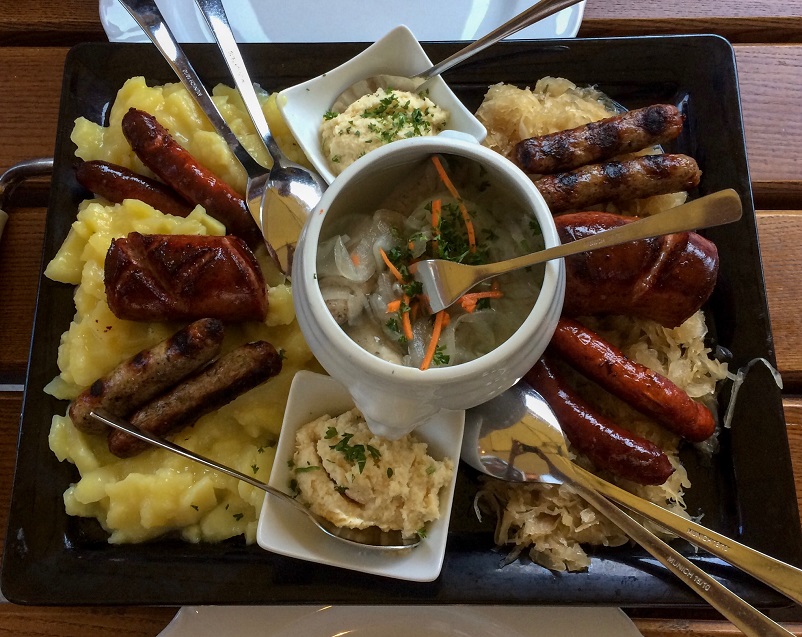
(608, 446)
(176, 167)
(666, 279)
(183, 277)
(650, 393)
(601, 140)
(220, 383)
(116, 183)
(147, 374)
(619, 181)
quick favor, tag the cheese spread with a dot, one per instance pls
(377, 119)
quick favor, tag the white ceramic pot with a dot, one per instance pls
(395, 399)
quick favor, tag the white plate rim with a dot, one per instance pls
(120, 27)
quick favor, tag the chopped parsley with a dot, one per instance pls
(355, 454)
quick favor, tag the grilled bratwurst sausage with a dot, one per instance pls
(608, 446)
(117, 183)
(598, 141)
(648, 392)
(666, 278)
(147, 374)
(183, 277)
(177, 168)
(636, 178)
(218, 384)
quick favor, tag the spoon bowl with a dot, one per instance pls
(291, 191)
(517, 437)
(371, 537)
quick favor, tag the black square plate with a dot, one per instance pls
(746, 491)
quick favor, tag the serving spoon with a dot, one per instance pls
(292, 191)
(372, 537)
(538, 11)
(444, 282)
(517, 438)
(285, 185)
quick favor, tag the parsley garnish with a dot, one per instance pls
(330, 115)
(440, 356)
(311, 467)
(355, 454)
(238, 516)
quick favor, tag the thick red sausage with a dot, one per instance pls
(176, 167)
(116, 183)
(619, 181)
(183, 277)
(147, 374)
(646, 391)
(608, 446)
(598, 141)
(666, 279)
(218, 384)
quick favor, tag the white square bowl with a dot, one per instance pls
(397, 53)
(286, 531)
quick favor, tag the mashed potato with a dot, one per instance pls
(156, 492)
(357, 480)
(551, 522)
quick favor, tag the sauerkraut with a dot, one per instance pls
(550, 522)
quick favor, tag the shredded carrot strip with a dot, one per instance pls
(446, 318)
(394, 306)
(406, 324)
(390, 266)
(430, 350)
(355, 259)
(466, 217)
(468, 301)
(414, 309)
(437, 207)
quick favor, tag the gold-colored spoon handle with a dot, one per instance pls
(746, 617)
(780, 576)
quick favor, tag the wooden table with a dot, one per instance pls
(35, 38)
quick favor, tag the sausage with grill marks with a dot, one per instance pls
(116, 183)
(645, 390)
(156, 277)
(147, 374)
(599, 141)
(218, 384)
(153, 144)
(636, 178)
(666, 279)
(608, 446)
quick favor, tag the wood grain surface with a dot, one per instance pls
(34, 40)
